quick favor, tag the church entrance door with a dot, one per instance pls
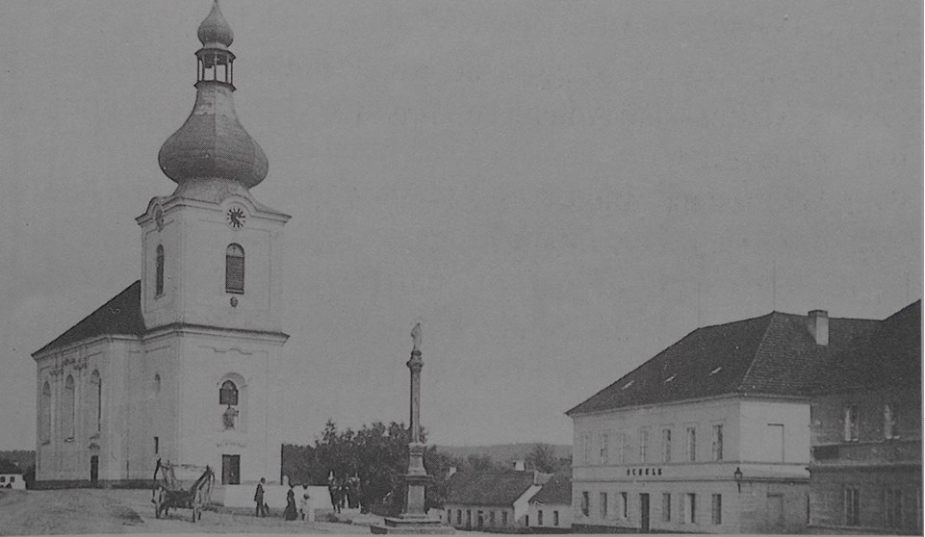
(231, 469)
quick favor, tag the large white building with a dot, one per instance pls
(712, 435)
(177, 365)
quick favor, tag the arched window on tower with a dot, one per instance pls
(228, 395)
(69, 408)
(96, 410)
(159, 271)
(234, 269)
(45, 425)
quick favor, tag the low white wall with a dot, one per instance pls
(274, 496)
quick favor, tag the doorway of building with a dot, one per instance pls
(94, 469)
(644, 513)
(231, 469)
(775, 512)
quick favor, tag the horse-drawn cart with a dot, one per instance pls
(181, 485)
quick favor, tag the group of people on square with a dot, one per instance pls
(304, 510)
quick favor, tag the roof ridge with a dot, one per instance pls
(740, 386)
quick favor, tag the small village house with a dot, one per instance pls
(491, 501)
(551, 507)
(11, 476)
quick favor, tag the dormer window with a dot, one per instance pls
(159, 271)
(234, 269)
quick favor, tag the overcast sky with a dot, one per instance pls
(558, 189)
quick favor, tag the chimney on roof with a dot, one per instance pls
(819, 326)
(519, 465)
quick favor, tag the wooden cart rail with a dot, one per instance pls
(181, 486)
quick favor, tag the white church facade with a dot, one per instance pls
(176, 366)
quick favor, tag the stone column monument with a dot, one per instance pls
(414, 517)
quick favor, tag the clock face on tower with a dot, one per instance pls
(235, 217)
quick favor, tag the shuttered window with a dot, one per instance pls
(234, 269)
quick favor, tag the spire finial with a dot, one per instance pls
(215, 30)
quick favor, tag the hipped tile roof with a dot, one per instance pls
(772, 355)
(9, 467)
(119, 316)
(556, 491)
(488, 488)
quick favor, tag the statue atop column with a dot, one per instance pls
(414, 517)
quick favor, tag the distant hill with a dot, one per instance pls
(503, 453)
(23, 458)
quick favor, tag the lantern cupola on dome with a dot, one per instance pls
(212, 144)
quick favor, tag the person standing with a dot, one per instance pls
(258, 497)
(290, 513)
(305, 505)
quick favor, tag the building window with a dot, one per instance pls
(893, 508)
(605, 439)
(504, 518)
(159, 271)
(643, 444)
(69, 407)
(717, 509)
(449, 516)
(852, 507)
(234, 269)
(625, 503)
(539, 518)
(2, 479)
(691, 444)
(97, 411)
(527, 521)
(458, 517)
(555, 518)
(690, 508)
(585, 503)
(890, 421)
(851, 423)
(666, 507)
(228, 394)
(45, 426)
(604, 505)
(718, 442)
(586, 448)
(491, 518)
(231, 469)
(775, 442)
(666, 445)
(622, 441)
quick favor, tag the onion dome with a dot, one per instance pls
(212, 144)
(214, 30)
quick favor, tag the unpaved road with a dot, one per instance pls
(82, 511)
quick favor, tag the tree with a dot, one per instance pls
(542, 458)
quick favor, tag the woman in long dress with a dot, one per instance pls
(290, 513)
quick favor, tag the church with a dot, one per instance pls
(176, 366)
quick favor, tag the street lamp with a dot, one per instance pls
(738, 476)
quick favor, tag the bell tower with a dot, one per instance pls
(211, 282)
